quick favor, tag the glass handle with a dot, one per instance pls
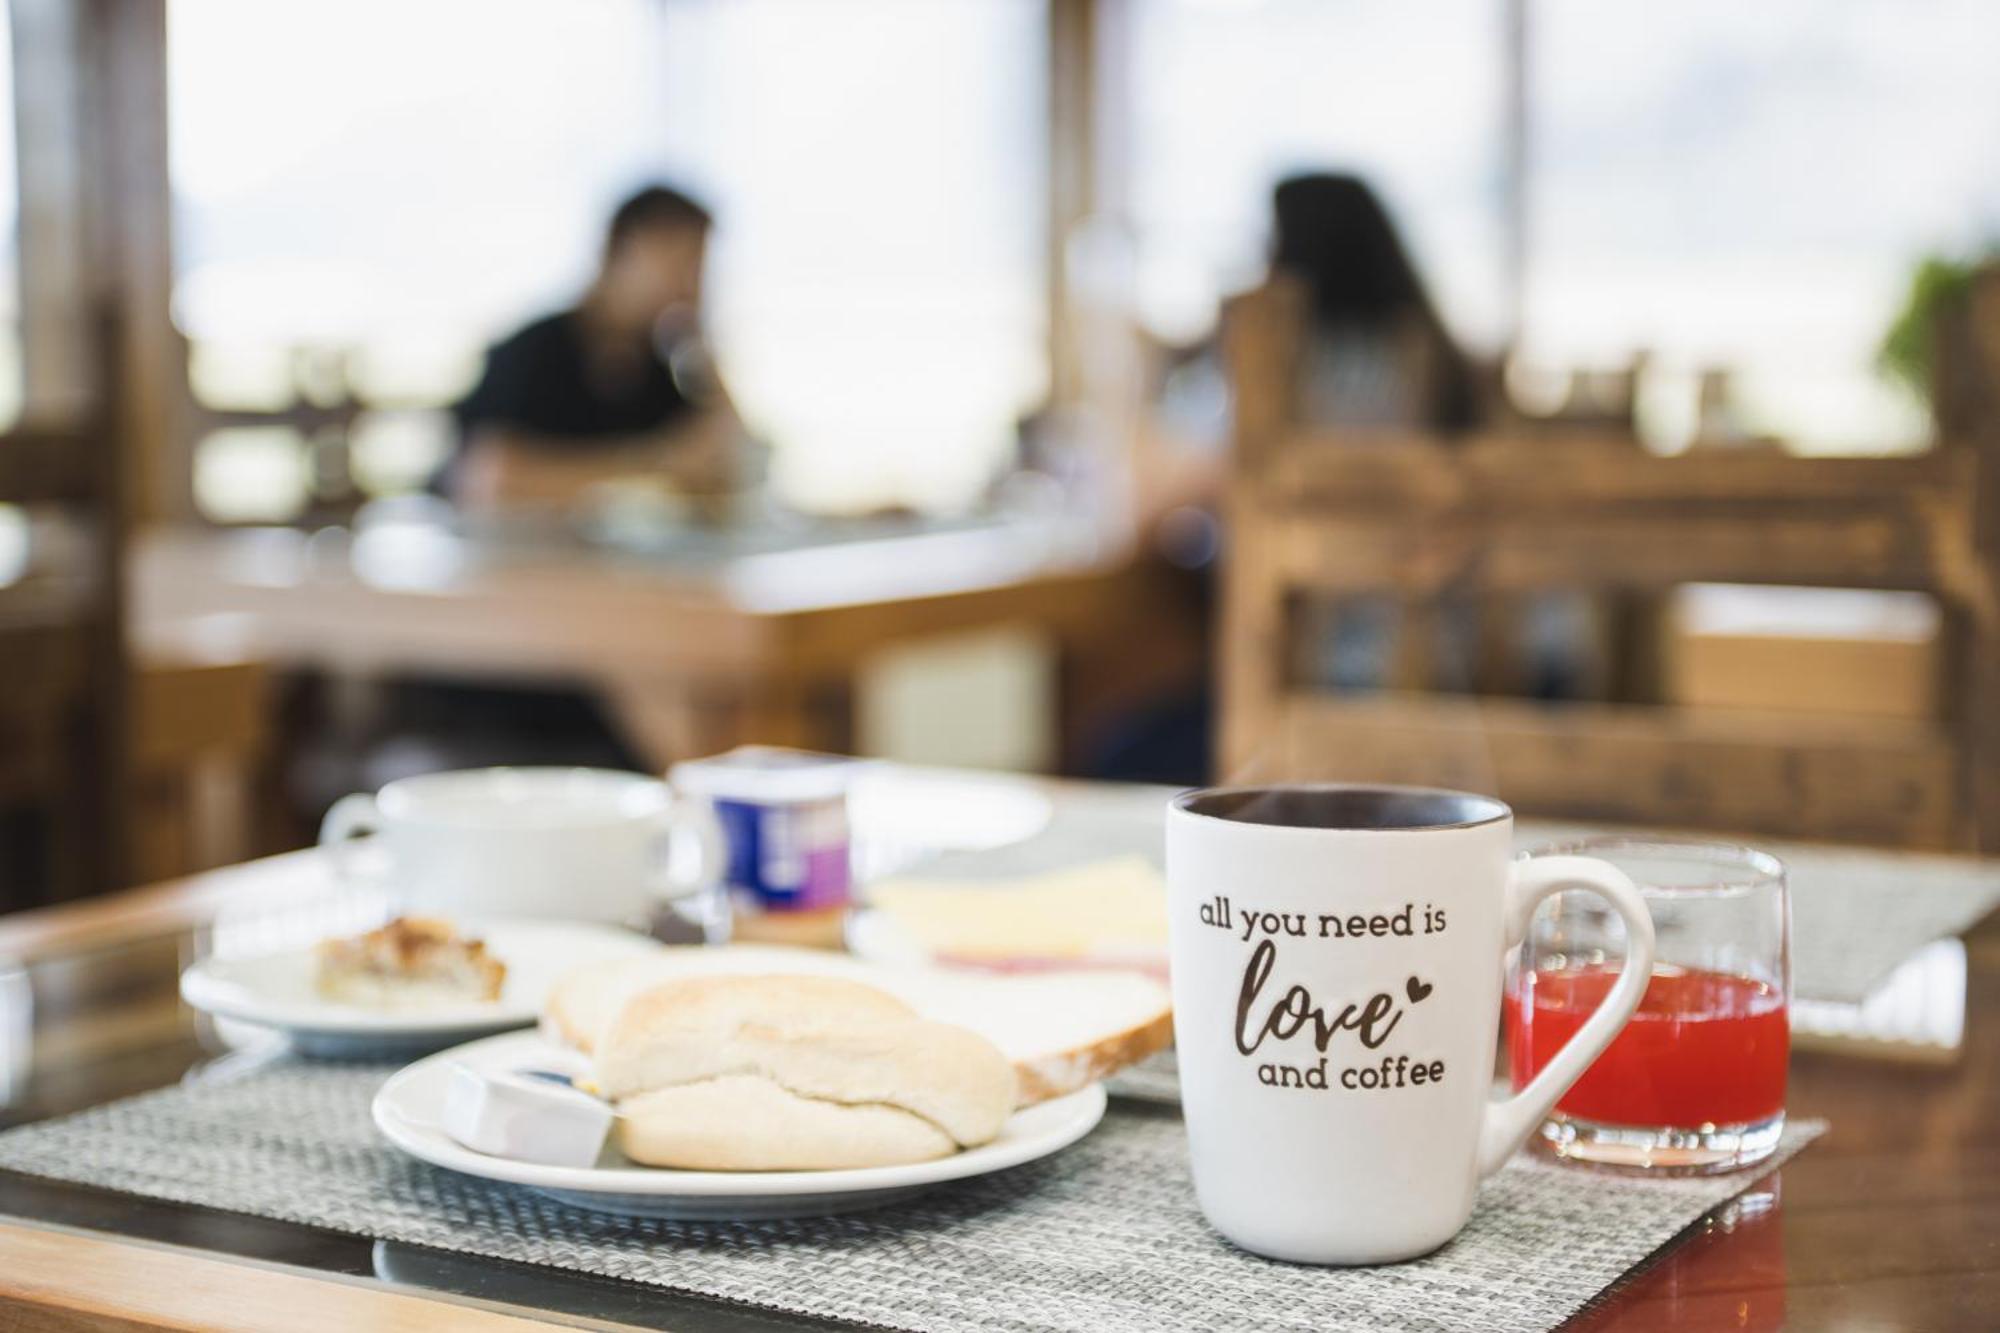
(1509, 1121)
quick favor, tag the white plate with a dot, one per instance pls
(408, 1107)
(275, 991)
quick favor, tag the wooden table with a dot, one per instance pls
(693, 650)
(1891, 1221)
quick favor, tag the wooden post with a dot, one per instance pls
(1072, 174)
(100, 363)
(95, 234)
(1261, 336)
(1966, 398)
(155, 404)
(57, 139)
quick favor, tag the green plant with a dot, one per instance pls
(1937, 285)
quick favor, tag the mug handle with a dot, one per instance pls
(683, 819)
(350, 817)
(1508, 1122)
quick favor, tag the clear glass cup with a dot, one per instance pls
(1695, 1083)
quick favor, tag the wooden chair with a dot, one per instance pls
(61, 673)
(1314, 513)
(200, 737)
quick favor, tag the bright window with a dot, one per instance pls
(1719, 184)
(1229, 97)
(388, 187)
(879, 276)
(10, 255)
(1750, 186)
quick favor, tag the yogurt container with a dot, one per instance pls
(784, 815)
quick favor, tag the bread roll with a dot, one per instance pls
(744, 1122)
(794, 1073)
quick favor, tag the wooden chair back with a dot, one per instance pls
(1315, 513)
(200, 742)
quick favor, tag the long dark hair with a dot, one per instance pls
(1332, 232)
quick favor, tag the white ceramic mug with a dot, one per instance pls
(1337, 968)
(578, 843)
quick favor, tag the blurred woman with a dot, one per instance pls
(1378, 354)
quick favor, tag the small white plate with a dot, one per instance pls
(408, 1108)
(275, 991)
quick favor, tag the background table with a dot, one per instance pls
(1890, 1221)
(699, 645)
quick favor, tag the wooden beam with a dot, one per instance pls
(63, 275)
(1262, 333)
(75, 137)
(155, 404)
(96, 236)
(1838, 778)
(1972, 345)
(1261, 337)
(1332, 473)
(1072, 174)
(1405, 553)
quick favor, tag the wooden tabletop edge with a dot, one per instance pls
(116, 1282)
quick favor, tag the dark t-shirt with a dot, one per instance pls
(538, 382)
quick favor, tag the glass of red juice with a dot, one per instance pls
(1695, 1083)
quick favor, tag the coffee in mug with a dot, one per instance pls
(1337, 959)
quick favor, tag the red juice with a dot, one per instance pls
(1704, 1048)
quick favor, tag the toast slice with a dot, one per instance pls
(1061, 1030)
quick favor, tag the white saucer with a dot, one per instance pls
(408, 1107)
(275, 991)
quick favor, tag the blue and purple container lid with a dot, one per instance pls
(784, 814)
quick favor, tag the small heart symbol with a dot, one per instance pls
(1417, 990)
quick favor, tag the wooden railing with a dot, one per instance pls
(1472, 522)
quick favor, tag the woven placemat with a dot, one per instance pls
(1103, 1237)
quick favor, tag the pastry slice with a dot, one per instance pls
(411, 963)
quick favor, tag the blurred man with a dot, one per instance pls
(615, 388)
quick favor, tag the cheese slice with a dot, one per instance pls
(1113, 908)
